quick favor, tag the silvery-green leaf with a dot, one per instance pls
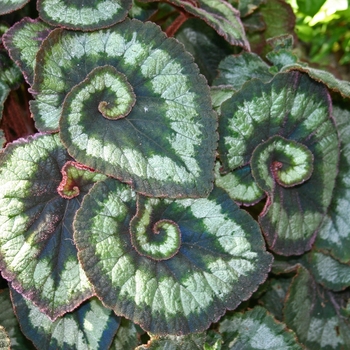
(127, 336)
(8, 6)
(140, 268)
(4, 339)
(219, 94)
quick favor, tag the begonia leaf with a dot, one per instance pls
(166, 143)
(127, 336)
(142, 11)
(246, 7)
(328, 271)
(314, 314)
(220, 262)
(172, 342)
(4, 92)
(39, 196)
(327, 78)
(10, 74)
(5, 342)
(334, 235)
(23, 41)
(8, 6)
(240, 185)
(281, 58)
(280, 128)
(83, 14)
(206, 46)
(256, 329)
(235, 70)
(9, 321)
(91, 326)
(218, 14)
(219, 94)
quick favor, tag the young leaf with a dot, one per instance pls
(220, 262)
(83, 14)
(256, 329)
(279, 129)
(37, 206)
(334, 235)
(166, 143)
(235, 70)
(314, 314)
(9, 321)
(91, 326)
(11, 5)
(23, 41)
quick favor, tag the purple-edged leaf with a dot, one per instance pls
(23, 41)
(278, 128)
(219, 14)
(220, 262)
(327, 78)
(235, 70)
(7, 6)
(9, 321)
(256, 329)
(5, 343)
(173, 342)
(327, 271)
(314, 314)
(334, 235)
(91, 326)
(163, 115)
(83, 14)
(240, 185)
(37, 252)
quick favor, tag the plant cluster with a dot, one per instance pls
(172, 177)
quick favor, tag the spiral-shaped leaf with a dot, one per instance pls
(83, 14)
(157, 132)
(165, 288)
(284, 132)
(41, 188)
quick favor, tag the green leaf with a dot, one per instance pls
(281, 58)
(83, 14)
(218, 14)
(11, 5)
(91, 326)
(334, 84)
(9, 321)
(313, 313)
(294, 112)
(221, 260)
(23, 41)
(219, 94)
(327, 271)
(9, 72)
(4, 92)
(206, 46)
(142, 11)
(166, 143)
(171, 342)
(256, 329)
(127, 336)
(4, 339)
(310, 8)
(37, 251)
(240, 185)
(334, 235)
(236, 70)
(246, 7)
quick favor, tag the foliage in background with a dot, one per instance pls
(174, 175)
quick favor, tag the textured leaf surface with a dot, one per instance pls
(4, 92)
(219, 94)
(221, 260)
(9, 321)
(294, 108)
(166, 144)
(23, 41)
(127, 336)
(186, 342)
(219, 14)
(313, 313)
(9, 72)
(235, 70)
(240, 185)
(334, 235)
(256, 329)
(36, 247)
(91, 326)
(7, 6)
(329, 272)
(83, 14)
(4, 339)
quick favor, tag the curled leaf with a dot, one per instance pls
(169, 290)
